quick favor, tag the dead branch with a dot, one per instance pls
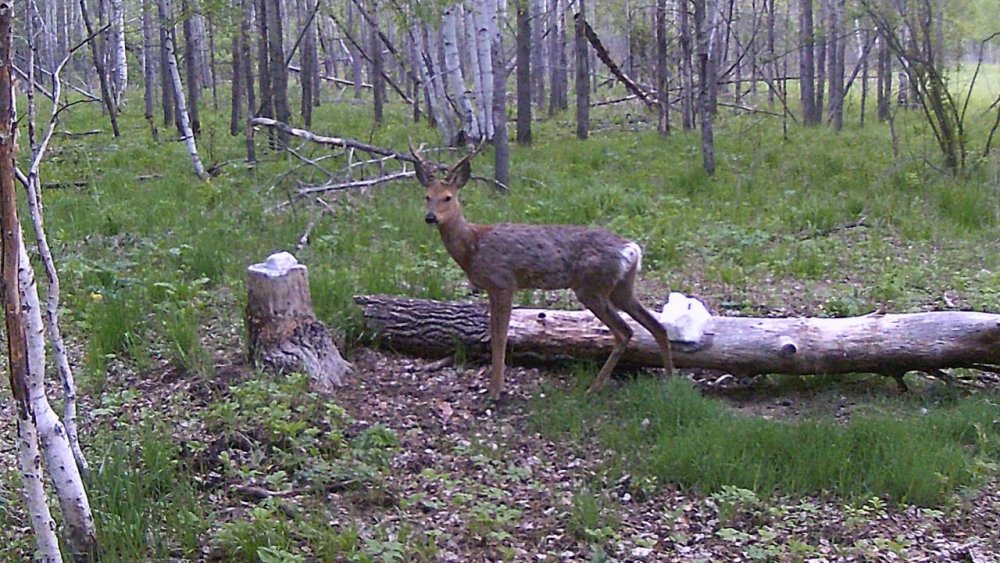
(334, 79)
(602, 53)
(341, 142)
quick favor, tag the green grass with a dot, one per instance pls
(668, 431)
(144, 503)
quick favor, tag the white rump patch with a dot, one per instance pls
(631, 258)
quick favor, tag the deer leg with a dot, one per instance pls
(602, 309)
(500, 305)
(628, 303)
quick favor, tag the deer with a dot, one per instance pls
(599, 266)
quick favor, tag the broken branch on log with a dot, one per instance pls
(887, 344)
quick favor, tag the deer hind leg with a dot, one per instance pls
(623, 296)
(500, 305)
(603, 310)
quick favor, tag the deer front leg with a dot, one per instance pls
(500, 305)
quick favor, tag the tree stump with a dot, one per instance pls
(284, 334)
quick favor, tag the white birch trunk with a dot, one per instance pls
(55, 445)
(182, 111)
(482, 111)
(32, 476)
(446, 121)
(453, 71)
(426, 77)
(119, 63)
(52, 320)
(483, 12)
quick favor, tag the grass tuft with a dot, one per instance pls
(670, 432)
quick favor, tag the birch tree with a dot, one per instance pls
(44, 527)
(148, 66)
(807, 85)
(582, 82)
(523, 72)
(704, 96)
(38, 424)
(119, 63)
(463, 97)
(182, 114)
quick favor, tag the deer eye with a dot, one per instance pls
(427, 197)
(447, 198)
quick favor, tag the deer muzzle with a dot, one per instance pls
(431, 218)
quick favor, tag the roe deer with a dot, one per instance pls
(598, 265)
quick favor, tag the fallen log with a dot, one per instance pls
(887, 344)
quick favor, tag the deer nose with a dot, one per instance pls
(431, 218)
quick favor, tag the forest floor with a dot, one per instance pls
(453, 450)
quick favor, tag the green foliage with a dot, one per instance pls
(669, 431)
(144, 502)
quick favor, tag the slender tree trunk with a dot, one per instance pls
(182, 114)
(56, 450)
(119, 64)
(377, 65)
(191, 68)
(821, 49)
(278, 68)
(686, 65)
(308, 62)
(246, 56)
(702, 39)
(166, 82)
(537, 50)
(102, 75)
(662, 69)
(582, 74)
(523, 8)
(236, 113)
(453, 71)
(864, 36)
(501, 145)
(356, 67)
(557, 58)
(212, 66)
(46, 541)
(838, 56)
(148, 65)
(482, 13)
(772, 66)
(806, 68)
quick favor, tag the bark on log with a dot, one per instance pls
(889, 344)
(284, 334)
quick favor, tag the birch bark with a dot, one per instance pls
(182, 114)
(453, 70)
(119, 64)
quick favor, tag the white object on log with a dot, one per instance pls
(685, 318)
(284, 334)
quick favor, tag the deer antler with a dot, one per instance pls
(468, 158)
(425, 170)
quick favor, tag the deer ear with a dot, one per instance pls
(422, 176)
(460, 174)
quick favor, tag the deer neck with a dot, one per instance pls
(461, 239)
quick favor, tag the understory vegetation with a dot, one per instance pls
(195, 456)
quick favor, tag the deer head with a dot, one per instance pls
(442, 195)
